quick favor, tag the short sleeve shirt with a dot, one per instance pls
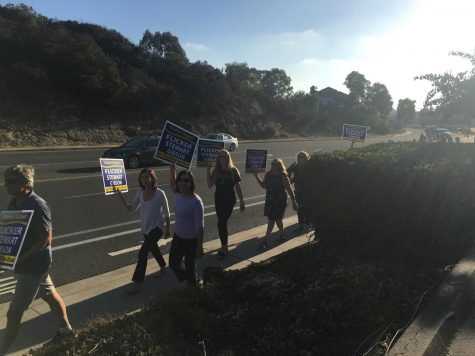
(40, 224)
(225, 181)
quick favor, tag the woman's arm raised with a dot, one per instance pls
(173, 177)
(209, 177)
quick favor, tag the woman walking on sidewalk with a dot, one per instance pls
(276, 183)
(295, 174)
(226, 178)
(189, 226)
(154, 218)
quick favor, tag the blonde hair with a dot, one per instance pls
(24, 173)
(217, 165)
(281, 164)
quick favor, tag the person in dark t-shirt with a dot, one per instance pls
(226, 178)
(32, 266)
(296, 177)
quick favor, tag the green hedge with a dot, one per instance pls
(400, 203)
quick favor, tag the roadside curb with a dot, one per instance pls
(430, 333)
(92, 147)
(97, 146)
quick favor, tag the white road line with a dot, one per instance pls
(126, 250)
(128, 232)
(71, 234)
(76, 177)
(40, 150)
(7, 286)
(66, 178)
(54, 163)
(62, 247)
(6, 279)
(102, 193)
(58, 237)
(98, 175)
(161, 242)
(91, 194)
(10, 291)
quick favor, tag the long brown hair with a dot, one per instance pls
(192, 181)
(152, 174)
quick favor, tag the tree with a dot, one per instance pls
(357, 85)
(379, 98)
(453, 94)
(276, 83)
(313, 91)
(406, 111)
(165, 45)
(239, 75)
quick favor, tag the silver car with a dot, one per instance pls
(230, 142)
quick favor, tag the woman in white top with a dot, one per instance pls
(189, 226)
(154, 218)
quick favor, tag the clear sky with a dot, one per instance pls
(316, 42)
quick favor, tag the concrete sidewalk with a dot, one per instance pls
(104, 294)
(431, 332)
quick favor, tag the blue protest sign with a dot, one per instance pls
(113, 175)
(256, 161)
(354, 132)
(176, 145)
(13, 228)
(207, 152)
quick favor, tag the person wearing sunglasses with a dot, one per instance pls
(296, 175)
(225, 176)
(154, 219)
(276, 183)
(34, 261)
(187, 240)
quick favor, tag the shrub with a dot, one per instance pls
(394, 202)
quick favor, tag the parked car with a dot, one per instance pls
(443, 135)
(438, 134)
(230, 142)
(136, 152)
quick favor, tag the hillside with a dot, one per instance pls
(61, 75)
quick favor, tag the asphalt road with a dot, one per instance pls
(93, 233)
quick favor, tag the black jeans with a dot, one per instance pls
(183, 248)
(150, 244)
(224, 209)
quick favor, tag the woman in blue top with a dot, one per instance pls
(189, 226)
(154, 219)
(276, 183)
(226, 178)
